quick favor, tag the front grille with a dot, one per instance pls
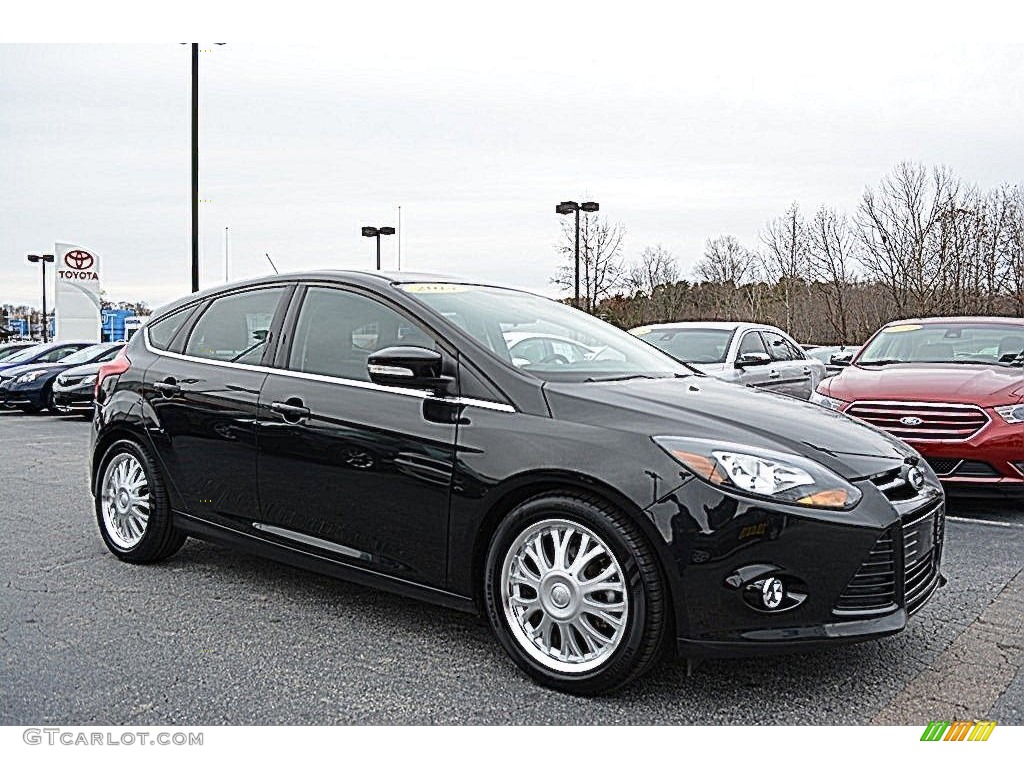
(944, 467)
(910, 549)
(894, 485)
(922, 421)
(921, 544)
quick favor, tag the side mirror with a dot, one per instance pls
(410, 367)
(748, 359)
(841, 360)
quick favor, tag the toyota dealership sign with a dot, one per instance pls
(78, 294)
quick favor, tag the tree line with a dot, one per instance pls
(922, 242)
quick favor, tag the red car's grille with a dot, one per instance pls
(922, 421)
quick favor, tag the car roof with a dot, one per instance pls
(980, 320)
(718, 325)
(370, 279)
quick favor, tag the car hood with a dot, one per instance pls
(704, 407)
(983, 385)
(86, 369)
(24, 368)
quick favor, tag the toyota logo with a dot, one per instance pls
(79, 260)
(911, 421)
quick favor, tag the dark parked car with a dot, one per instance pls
(74, 388)
(42, 353)
(30, 386)
(600, 512)
(13, 348)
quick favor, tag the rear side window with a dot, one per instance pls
(161, 333)
(235, 328)
(338, 330)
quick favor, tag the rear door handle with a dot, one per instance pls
(807, 371)
(168, 387)
(293, 410)
(773, 374)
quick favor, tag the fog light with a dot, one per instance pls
(773, 592)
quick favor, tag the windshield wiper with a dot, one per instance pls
(624, 377)
(881, 362)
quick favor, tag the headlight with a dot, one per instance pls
(88, 380)
(1012, 414)
(762, 473)
(26, 378)
(829, 402)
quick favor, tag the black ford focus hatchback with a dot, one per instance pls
(600, 502)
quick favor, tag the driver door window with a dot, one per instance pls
(752, 344)
(337, 331)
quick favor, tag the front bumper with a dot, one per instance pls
(73, 398)
(989, 465)
(849, 576)
(15, 395)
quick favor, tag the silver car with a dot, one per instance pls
(744, 353)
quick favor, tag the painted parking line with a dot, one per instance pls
(965, 681)
(980, 521)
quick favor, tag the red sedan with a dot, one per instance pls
(952, 387)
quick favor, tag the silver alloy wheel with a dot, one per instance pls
(125, 500)
(564, 596)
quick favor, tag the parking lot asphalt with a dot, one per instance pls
(213, 636)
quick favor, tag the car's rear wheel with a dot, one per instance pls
(574, 594)
(132, 507)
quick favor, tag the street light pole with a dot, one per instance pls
(565, 208)
(42, 259)
(376, 232)
(195, 167)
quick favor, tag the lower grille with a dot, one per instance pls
(976, 469)
(910, 549)
(873, 588)
(944, 467)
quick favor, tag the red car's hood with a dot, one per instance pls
(983, 385)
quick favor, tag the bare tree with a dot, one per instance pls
(727, 266)
(601, 267)
(786, 262)
(831, 253)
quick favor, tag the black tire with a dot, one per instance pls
(29, 408)
(160, 539)
(51, 404)
(647, 621)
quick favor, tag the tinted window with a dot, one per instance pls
(162, 331)
(752, 344)
(235, 328)
(779, 348)
(338, 330)
(528, 350)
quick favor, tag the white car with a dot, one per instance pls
(744, 353)
(531, 348)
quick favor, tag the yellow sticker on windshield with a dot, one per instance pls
(903, 328)
(434, 288)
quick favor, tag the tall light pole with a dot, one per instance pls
(377, 232)
(195, 165)
(565, 208)
(42, 259)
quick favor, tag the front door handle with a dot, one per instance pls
(292, 411)
(807, 371)
(168, 387)
(773, 374)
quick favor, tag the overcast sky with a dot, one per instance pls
(680, 136)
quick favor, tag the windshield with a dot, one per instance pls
(552, 341)
(691, 345)
(25, 354)
(86, 355)
(8, 352)
(952, 342)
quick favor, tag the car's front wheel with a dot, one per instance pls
(574, 594)
(132, 508)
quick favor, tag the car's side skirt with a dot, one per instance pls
(204, 529)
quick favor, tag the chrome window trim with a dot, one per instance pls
(355, 383)
(975, 433)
